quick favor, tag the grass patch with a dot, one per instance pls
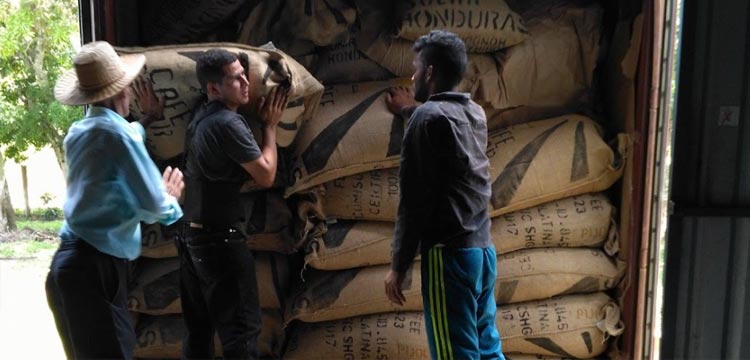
(24, 249)
(32, 238)
(47, 227)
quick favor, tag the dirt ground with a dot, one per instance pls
(27, 328)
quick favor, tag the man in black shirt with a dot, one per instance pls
(445, 190)
(218, 287)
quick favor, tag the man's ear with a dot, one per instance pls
(428, 73)
(212, 89)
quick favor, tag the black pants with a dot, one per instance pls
(87, 293)
(219, 293)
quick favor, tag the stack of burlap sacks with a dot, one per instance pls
(154, 289)
(552, 225)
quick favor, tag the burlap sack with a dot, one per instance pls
(322, 22)
(483, 25)
(268, 222)
(171, 70)
(579, 221)
(390, 52)
(396, 56)
(155, 289)
(175, 22)
(160, 337)
(344, 64)
(548, 160)
(332, 295)
(158, 241)
(367, 196)
(549, 74)
(381, 336)
(574, 326)
(350, 244)
(258, 30)
(530, 164)
(535, 274)
(352, 132)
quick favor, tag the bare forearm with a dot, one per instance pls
(269, 152)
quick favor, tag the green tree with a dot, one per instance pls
(36, 46)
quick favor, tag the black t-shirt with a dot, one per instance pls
(218, 140)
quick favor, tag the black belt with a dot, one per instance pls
(76, 244)
(206, 228)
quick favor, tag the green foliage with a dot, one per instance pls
(39, 214)
(36, 46)
(46, 198)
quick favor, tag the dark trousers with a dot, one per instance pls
(87, 293)
(219, 293)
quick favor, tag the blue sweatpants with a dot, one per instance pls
(458, 288)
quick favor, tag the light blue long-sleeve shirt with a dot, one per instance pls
(113, 185)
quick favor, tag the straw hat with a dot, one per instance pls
(98, 73)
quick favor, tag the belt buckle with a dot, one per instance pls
(210, 228)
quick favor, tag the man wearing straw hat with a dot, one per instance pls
(112, 186)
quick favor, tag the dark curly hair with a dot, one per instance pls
(446, 52)
(210, 66)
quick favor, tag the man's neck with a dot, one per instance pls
(228, 106)
(438, 90)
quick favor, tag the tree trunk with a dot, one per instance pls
(25, 179)
(57, 146)
(7, 215)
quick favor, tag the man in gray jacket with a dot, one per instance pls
(445, 189)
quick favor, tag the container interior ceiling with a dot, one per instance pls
(620, 85)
